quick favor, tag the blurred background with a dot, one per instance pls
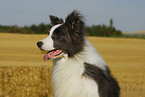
(116, 28)
(127, 15)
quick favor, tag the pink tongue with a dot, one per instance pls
(45, 57)
(51, 54)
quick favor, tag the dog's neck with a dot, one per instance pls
(86, 55)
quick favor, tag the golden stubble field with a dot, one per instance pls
(24, 74)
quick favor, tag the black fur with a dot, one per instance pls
(108, 86)
(69, 36)
(55, 20)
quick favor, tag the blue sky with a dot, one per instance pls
(128, 15)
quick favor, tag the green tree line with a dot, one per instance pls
(95, 30)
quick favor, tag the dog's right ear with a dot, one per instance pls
(55, 20)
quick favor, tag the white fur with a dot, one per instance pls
(53, 28)
(48, 42)
(68, 78)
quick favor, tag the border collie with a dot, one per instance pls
(78, 70)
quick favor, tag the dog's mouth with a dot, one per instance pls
(53, 54)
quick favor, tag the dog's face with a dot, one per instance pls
(64, 37)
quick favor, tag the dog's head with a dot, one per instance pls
(64, 37)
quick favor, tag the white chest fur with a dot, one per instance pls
(68, 78)
(69, 82)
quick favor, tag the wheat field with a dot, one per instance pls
(23, 73)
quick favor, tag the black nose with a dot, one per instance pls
(39, 44)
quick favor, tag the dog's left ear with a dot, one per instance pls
(75, 22)
(55, 20)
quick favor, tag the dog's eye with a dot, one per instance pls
(55, 37)
(58, 37)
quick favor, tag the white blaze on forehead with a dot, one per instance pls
(48, 42)
(53, 28)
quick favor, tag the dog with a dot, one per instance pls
(78, 70)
